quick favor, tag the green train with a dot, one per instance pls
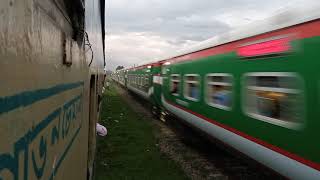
(254, 89)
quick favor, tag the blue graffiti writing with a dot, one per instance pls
(27, 98)
(59, 129)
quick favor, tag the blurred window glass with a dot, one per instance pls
(219, 90)
(135, 79)
(175, 84)
(275, 98)
(146, 80)
(191, 87)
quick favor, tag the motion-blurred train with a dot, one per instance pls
(52, 73)
(255, 89)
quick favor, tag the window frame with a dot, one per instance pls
(198, 82)
(135, 79)
(270, 120)
(141, 80)
(231, 84)
(146, 80)
(171, 84)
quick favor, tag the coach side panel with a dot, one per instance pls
(43, 100)
(254, 86)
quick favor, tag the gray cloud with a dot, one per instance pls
(141, 30)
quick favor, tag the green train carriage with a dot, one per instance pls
(139, 80)
(255, 89)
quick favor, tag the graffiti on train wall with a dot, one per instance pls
(40, 152)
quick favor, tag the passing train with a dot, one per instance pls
(255, 89)
(52, 73)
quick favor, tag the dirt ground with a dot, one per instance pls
(199, 157)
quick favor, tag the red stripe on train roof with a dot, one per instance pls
(290, 155)
(301, 31)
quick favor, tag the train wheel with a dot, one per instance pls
(163, 116)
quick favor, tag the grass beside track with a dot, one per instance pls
(130, 150)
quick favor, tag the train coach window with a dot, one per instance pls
(140, 80)
(274, 98)
(137, 80)
(146, 83)
(191, 88)
(219, 90)
(175, 84)
(143, 81)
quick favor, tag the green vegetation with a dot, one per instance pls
(130, 151)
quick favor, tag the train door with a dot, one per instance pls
(92, 126)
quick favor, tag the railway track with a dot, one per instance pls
(198, 156)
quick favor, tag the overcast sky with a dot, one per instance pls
(142, 30)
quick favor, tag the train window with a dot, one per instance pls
(143, 81)
(175, 84)
(191, 87)
(219, 90)
(132, 79)
(137, 80)
(146, 80)
(275, 98)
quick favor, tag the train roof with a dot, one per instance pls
(294, 16)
